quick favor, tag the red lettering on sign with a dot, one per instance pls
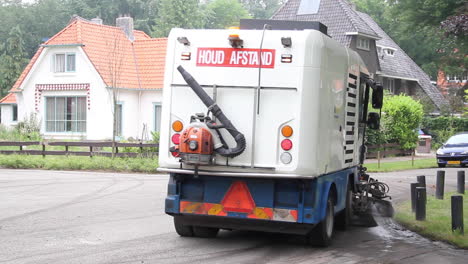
(227, 57)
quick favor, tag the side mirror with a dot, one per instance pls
(377, 96)
(373, 120)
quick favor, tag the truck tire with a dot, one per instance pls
(205, 232)
(322, 234)
(343, 219)
(182, 230)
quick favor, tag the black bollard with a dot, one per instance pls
(422, 180)
(413, 196)
(440, 185)
(461, 182)
(457, 213)
(421, 203)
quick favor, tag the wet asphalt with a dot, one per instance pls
(90, 217)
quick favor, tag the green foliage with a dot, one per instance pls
(26, 130)
(224, 13)
(147, 165)
(441, 128)
(438, 220)
(416, 26)
(262, 9)
(177, 14)
(12, 59)
(402, 116)
(402, 165)
(465, 109)
(376, 137)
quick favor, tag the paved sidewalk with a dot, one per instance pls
(403, 158)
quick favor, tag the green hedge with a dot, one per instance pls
(441, 128)
(401, 116)
(443, 122)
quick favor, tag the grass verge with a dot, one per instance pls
(402, 165)
(147, 165)
(438, 224)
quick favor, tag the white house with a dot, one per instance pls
(73, 79)
(8, 110)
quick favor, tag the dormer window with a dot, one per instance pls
(389, 52)
(363, 43)
(385, 51)
(64, 62)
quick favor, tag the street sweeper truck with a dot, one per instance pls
(263, 129)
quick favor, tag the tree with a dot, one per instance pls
(177, 13)
(402, 116)
(416, 26)
(12, 59)
(224, 13)
(262, 9)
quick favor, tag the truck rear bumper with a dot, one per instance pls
(235, 174)
(245, 224)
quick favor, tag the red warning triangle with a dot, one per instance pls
(238, 198)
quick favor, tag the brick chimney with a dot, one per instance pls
(126, 24)
(96, 20)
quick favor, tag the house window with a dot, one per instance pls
(66, 114)
(458, 77)
(308, 7)
(363, 43)
(391, 85)
(64, 62)
(389, 52)
(118, 119)
(15, 113)
(157, 117)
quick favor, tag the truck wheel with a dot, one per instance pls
(206, 232)
(182, 230)
(322, 234)
(343, 219)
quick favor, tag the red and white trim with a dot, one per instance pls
(61, 87)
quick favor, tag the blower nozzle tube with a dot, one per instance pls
(218, 113)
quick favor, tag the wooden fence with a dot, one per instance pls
(385, 150)
(94, 148)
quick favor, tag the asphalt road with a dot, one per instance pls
(88, 217)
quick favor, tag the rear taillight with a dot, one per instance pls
(286, 144)
(176, 139)
(177, 126)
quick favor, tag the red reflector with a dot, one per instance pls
(175, 154)
(238, 198)
(176, 139)
(286, 144)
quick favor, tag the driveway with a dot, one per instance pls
(89, 217)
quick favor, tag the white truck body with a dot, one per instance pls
(314, 94)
